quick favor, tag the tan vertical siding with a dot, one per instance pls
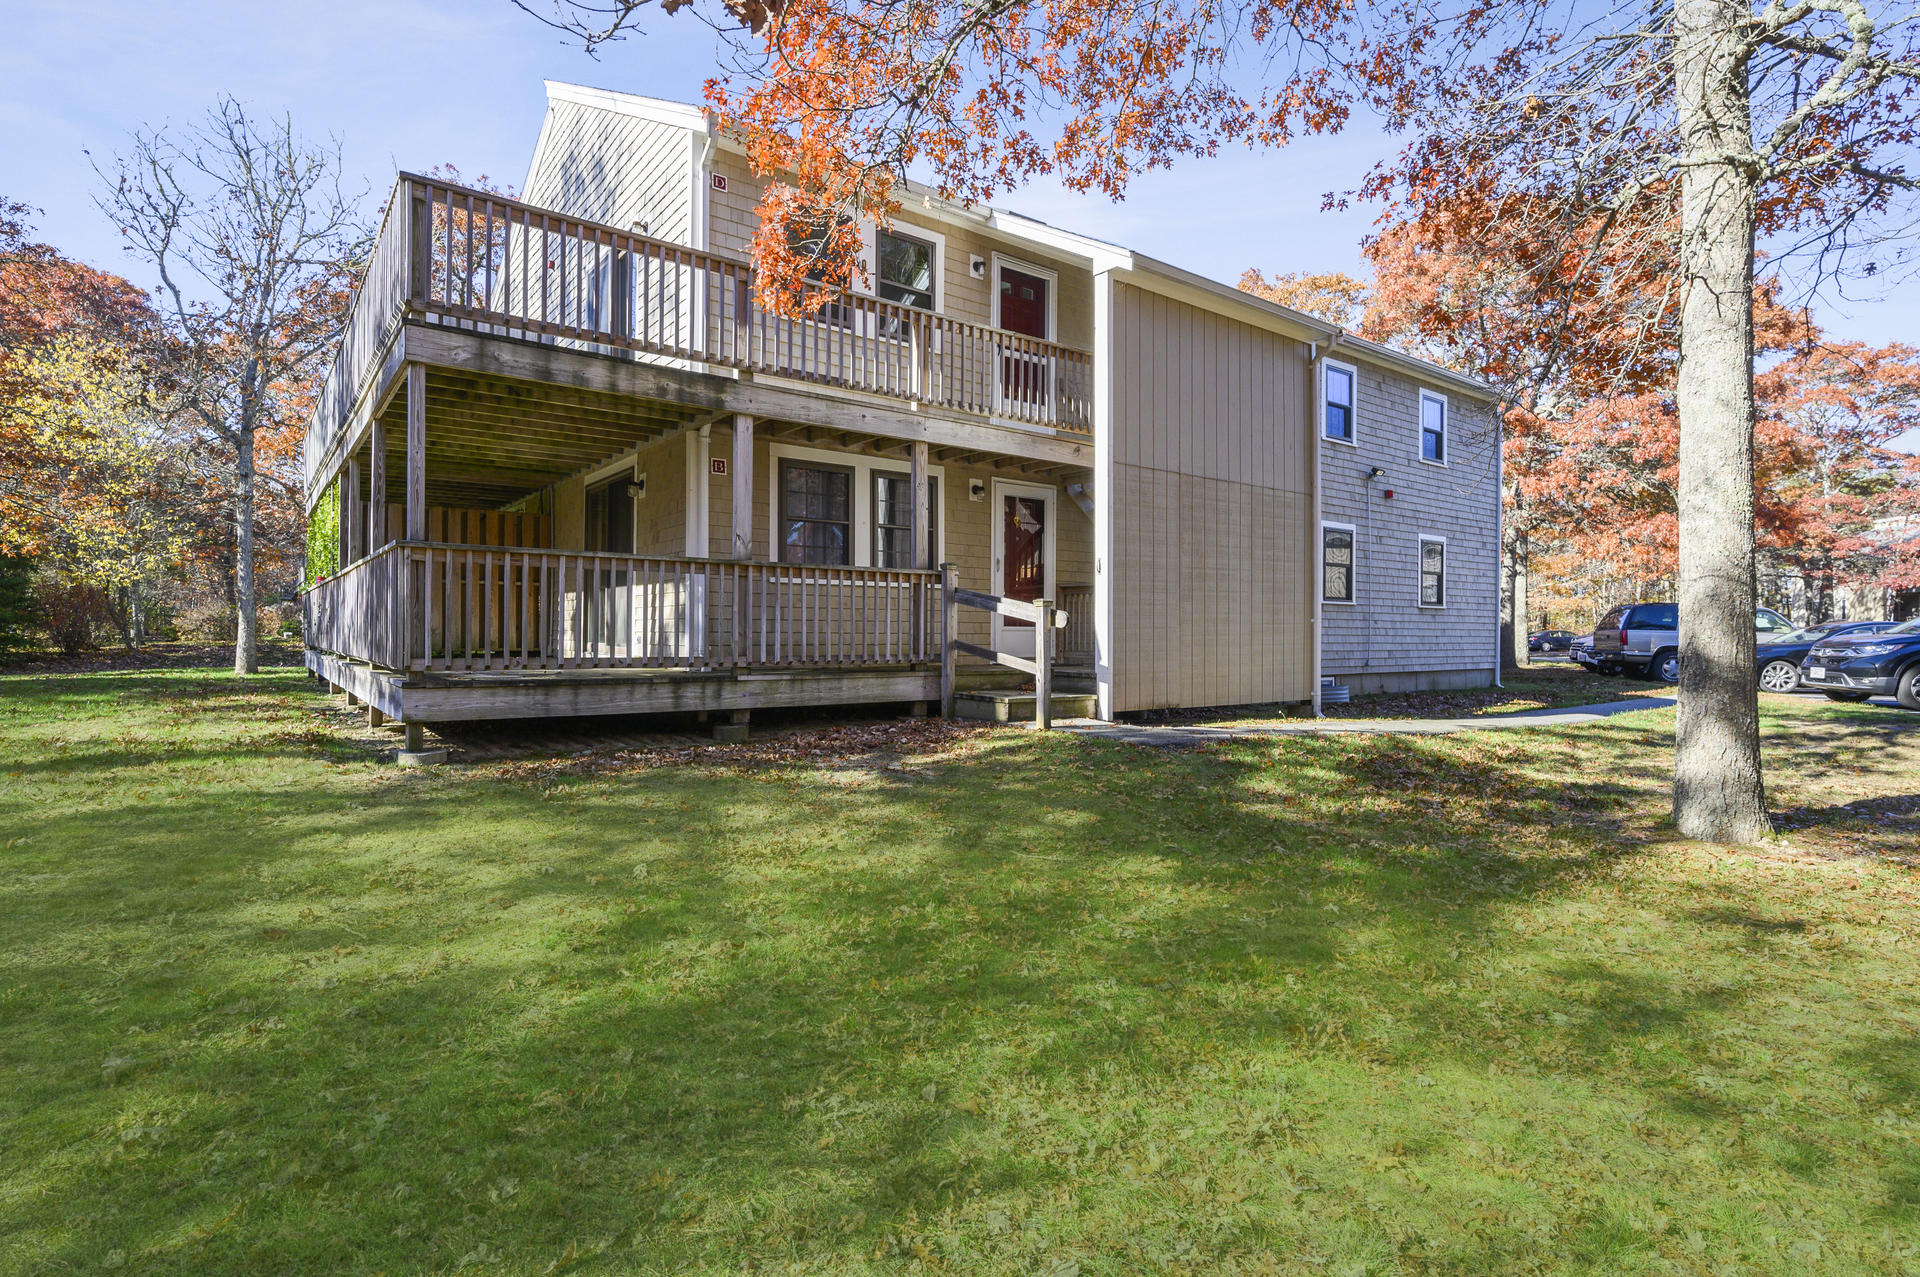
(1211, 509)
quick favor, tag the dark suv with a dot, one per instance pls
(1643, 639)
(1852, 667)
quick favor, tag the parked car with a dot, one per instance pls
(1643, 639)
(1779, 660)
(1550, 640)
(1852, 667)
(1581, 650)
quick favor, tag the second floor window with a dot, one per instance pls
(1433, 428)
(812, 243)
(1339, 421)
(816, 514)
(904, 272)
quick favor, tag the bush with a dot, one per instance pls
(17, 609)
(279, 620)
(205, 619)
(71, 614)
(323, 535)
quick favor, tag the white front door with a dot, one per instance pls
(1023, 531)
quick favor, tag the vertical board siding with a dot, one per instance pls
(617, 169)
(1212, 509)
(1384, 633)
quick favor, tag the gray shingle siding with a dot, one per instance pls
(1385, 640)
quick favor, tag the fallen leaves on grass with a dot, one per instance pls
(870, 745)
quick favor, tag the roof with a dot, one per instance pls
(1097, 254)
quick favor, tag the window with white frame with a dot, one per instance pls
(1433, 427)
(893, 519)
(1433, 572)
(1336, 562)
(1337, 407)
(903, 271)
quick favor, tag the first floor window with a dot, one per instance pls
(1433, 428)
(893, 519)
(816, 513)
(1336, 564)
(1433, 573)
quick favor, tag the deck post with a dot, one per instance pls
(350, 521)
(375, 718)
(949, 618)
(1043, 665)
(734, 730)
(413, 751)
(922, 507)
(376, 485)
(416, 452)
(742, 486)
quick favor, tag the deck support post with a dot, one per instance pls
(413, 751)
(949, 618)
(917, 709)
(922, 507)
(375, 718)
(416, 452)
(354, 702)
(734, 730)
(350, 521)
(1043, 666)
(377, 529)
(742, 486)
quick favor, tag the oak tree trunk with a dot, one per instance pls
(1717, 791)
(246, 655)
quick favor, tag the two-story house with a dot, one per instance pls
(581, 470)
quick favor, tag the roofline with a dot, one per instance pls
(1097, 254)
(1299, 325)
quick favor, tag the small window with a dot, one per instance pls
(893, 519)
(904, 272)
(1339, 405)
(1433, 427)
(1433, 573)
(1336, 564)
(816, 514)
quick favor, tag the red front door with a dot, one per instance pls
(1023, 538)
(1023, 309)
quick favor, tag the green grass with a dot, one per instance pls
(1024, 1005)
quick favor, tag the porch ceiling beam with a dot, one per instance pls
(561, 404)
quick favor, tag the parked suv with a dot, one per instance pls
(1852, 667)
(1643, 639)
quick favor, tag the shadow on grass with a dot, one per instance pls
(444, 1021)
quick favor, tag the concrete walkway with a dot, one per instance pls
(1176, 737)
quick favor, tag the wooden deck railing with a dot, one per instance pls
(464, 608)
(454, 255)
(1076, 639)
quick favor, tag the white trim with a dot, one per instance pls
(1352, 439)
(864, 467)
(1420, 570)
(1103, 494)
(1353, 568)
(998, 490)
(995, 260)
(1446, 429)
(870, 247)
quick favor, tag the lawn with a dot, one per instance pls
(994, 1003)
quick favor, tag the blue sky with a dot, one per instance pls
(414, 83)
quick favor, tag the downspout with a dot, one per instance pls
(1500, 545)
(1317, 547)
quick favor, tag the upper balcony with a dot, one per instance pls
(460, 258)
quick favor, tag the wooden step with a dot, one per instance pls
(1018, 707)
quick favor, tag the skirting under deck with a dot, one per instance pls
(441, 698)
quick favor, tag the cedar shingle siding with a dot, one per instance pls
(1385, 640)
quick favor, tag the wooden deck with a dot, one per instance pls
(621, 334)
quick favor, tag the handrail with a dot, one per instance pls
(470, 259)
(1041, 614)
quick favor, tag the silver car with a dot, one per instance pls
(1643, 639)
